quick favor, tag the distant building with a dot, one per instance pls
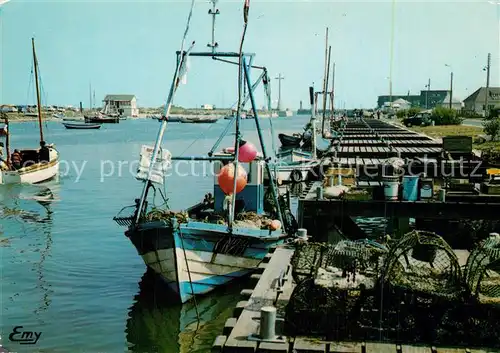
(432, 98)
(385, 100)
(456, 103)
(426, 99)
(208, 107)
(475, 102)
(123, 104)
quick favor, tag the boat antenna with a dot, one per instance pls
(38, 99)
(214, 11)
(180, 70)
(237, 139)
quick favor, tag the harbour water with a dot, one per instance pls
(69, 272)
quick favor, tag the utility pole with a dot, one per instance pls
(427, 95)
(487, 68)
(279, 78)
(451, 89)
(213, 12)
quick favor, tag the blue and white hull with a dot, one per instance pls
(197, 257)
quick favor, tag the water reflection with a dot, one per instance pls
(156, 324)
(20, 204)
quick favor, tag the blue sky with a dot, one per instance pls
(128, 47)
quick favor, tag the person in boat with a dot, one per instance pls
(16, 159)
(378, 114)
(3, 163)
(43, 153)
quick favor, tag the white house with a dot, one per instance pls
(207, 107)
(399, 104)
(123, 104)
(456, 103)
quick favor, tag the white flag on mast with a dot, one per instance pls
(184, 70)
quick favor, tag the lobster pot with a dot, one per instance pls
(317, 310)
(483, 270)
(423, 262)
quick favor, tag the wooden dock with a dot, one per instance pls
(240, 331)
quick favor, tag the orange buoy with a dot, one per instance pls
(275, 224)
(226, 179)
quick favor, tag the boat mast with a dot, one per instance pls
(313, 122)
(325, 92)
(213, 12)
(35, 64)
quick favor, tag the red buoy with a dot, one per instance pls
(247, 152)
(226, 179)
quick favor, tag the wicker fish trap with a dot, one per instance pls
(423, 262)
(308, 257)
(483, 271)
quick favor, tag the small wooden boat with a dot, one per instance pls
(75, 118)
(103, 119)
(99, 120)
(33, 168)
(289, 141)
(84, 126)
(197, 120)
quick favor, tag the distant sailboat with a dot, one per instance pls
(32, 168)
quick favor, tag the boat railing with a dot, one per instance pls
(123, 220)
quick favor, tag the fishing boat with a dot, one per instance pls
(198, 120)
(290, 140)
(31, 169)
(228, 234)
(102, 119)
(84, 126)
(75, 118)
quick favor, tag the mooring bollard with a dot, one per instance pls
(319, 193)
(442, 195)
(267, 322)
(331, 180)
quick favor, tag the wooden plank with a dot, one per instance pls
(239, 308)
(304, 345)
(416, 349)
(218, 344)
(372, 347)
(228, 326)
(345, 347)
(270, 347)
(246, 293)
(236, 346)
(263, 295)
(450, 350)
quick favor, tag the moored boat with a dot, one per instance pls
(83, 126)
(290, 140)
(102, 120)
(30, 166)
(228, 234)
(198, 120)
